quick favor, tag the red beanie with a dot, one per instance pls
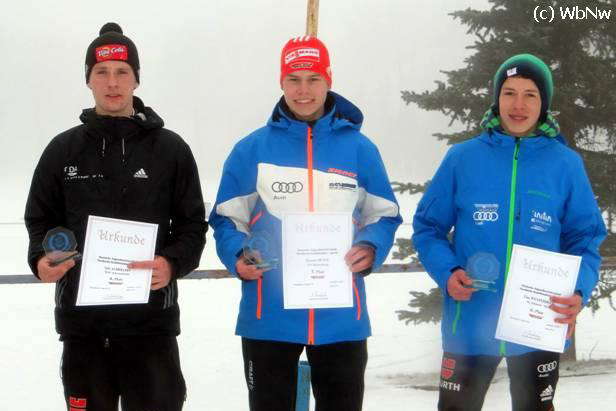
(305, 53)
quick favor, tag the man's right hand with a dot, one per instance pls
(456, 286)
(49, 273)
(246, 270)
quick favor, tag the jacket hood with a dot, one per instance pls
(144, 117)
(339, 113)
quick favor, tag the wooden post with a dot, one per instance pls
(302, 401)
(312, 18)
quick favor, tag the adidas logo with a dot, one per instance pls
(547, 394)
(140, 174)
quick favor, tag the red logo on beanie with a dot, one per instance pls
(301, 66)
(111, 52)
(302, 53)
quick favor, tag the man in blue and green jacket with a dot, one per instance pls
(310, 157)
(516, 183)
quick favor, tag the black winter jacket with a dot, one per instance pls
(127, 168)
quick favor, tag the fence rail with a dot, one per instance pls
(211, 274)
(609, 263)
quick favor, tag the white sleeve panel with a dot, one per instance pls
(238, 209)
(374, 207)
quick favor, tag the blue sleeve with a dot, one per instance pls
(583, 230)
(434, 218)
(235, 201)
(379, 213)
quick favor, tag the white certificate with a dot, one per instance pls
(534, 276)
(314, 272)
(109, 246)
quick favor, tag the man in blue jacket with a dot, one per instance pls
(310, 157)
(492, 189)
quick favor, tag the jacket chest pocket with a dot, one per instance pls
(84, 192)
(339, 194)
(152, 191)
(539, 220)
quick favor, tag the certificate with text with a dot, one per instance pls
(314, 272)
(534, 276)
(110, 245)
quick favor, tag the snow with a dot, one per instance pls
(401, 356)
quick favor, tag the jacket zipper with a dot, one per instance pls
(512, 216)
(310, 166)
(124, 169)
(311, 209)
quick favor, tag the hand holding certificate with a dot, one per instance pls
(535, 276)
(110, 245)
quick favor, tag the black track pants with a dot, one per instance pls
(465, 380)
(142, 372)
(337, 374)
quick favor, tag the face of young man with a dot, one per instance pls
(519, 105)
(305, 93)
(113, 83)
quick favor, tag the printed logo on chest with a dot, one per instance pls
(540, 221)
(485, 213)
(71, 172)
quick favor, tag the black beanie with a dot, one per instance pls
(112, 45)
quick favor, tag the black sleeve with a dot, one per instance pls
(188, 225)
(45, 204)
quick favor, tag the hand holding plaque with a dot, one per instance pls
(483, 269)
(259, 250)
(60, 246)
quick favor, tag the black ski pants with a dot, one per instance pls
(143, 373)
(336, 373)
(465, 380)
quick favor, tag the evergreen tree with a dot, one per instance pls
(582, 56)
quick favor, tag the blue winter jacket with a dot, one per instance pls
(332, 168)
(534, 190)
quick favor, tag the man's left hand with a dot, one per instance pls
(359, 258)
(161, 271)
(570, 307)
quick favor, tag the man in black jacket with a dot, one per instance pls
(120, 163)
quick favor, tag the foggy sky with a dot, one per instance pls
(210, 69)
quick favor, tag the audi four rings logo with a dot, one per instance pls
(485, 216)
(289, 188)
(543, 368)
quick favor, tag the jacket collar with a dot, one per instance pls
(340, 113)
(499, 138)
(145, 118)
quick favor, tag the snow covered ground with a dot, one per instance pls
(401, 357)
